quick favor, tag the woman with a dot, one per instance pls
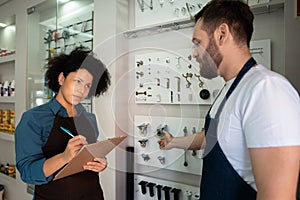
(43, 148)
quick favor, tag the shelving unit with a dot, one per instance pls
(7, 73)
(10, 99)
(7, 178)
(8, 58)
(7, 137)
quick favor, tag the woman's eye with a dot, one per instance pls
(77, 81)
(88, 86)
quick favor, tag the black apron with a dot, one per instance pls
(219, 179)
(82, 186)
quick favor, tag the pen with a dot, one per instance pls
(67, 131)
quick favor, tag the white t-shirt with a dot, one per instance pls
(262, 111)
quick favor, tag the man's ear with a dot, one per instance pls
(61, 78)
(222, 33)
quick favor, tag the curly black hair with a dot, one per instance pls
(80, 58)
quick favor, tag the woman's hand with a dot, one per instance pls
(73, 146)
(164, 142)
(97, 165)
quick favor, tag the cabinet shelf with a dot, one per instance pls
(7, 137)
(6, 177)
(9, 58)
(10, 99)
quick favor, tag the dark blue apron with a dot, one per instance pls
(219, 179)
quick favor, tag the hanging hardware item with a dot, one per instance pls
(146, 157)
(142, 4)
(201, 83)
(143, 142)
(186, 76)
(143, 128)
(194, 151)
(185, 151)
(204, 94)
(159, 130)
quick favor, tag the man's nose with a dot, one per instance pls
(195, 53)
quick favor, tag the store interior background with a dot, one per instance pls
(113, 27)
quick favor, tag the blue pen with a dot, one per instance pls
(67, 131)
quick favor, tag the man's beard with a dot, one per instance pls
(210, 60)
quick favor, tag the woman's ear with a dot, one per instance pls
(61, 78)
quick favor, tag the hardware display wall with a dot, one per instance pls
(148, 130)
(154, 188)
(154, 12)
(151, 12)
(172, 78)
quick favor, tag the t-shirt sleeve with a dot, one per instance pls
(272, 114)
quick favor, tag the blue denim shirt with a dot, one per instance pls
(31, 135)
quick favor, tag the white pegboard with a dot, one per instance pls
(145, 130)
(261, 52)
(185, 192)
(153, 12)
(160, 78)
(157, 12)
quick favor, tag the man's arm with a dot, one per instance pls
(191, 142)
(276, 172)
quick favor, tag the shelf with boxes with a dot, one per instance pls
(8, 171)
(7, 124)
(7, 58)
(7, 136)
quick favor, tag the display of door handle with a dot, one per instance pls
(204, 94)
(196, 197)
(167, 189)
(143, 142)
(151, 188)
(161, 159)
(185, 151)
(176, 192)
(145, 157)
(158, 189)
(194, 151)
(159, 130)
(186, 76)
(143, 186)
(143, 128)
(188, 194)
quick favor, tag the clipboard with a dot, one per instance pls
(86, 154)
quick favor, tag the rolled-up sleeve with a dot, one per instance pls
(28, 145)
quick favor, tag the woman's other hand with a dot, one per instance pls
(97, 165)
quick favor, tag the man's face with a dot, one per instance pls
(206, 52)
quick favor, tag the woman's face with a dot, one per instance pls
(74, 88)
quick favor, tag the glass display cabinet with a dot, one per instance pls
(54, 27)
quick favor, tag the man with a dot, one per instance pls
(251, 137)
